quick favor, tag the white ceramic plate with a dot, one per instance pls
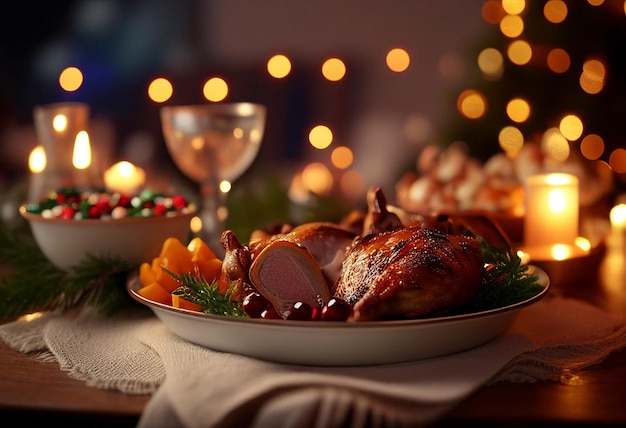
(326, 343)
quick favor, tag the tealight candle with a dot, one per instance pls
(124, 177)
(552, 210)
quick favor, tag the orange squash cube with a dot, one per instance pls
(209, 269)
(179, 302)
(176, 258)
(147, 275)
(156, 293)
(200, 250)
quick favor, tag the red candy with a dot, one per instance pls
(67, 213)
(70, 204)
(160, 209)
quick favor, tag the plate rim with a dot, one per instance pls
(132, 285)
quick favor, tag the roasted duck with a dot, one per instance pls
(408, 273)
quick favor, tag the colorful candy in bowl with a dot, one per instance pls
(70, 226)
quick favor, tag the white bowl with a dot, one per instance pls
(135, 239)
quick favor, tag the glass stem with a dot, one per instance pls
(212, 214)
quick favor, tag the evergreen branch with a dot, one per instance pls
(506, 281)
(196, 289)
(31, 283)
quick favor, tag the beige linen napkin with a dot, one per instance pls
(198, 387)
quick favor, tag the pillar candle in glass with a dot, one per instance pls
(57, 126)
(552, 210)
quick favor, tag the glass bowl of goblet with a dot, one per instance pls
(212, 144)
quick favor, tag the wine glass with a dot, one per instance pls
(212, 143)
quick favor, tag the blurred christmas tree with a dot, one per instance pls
(552, 72)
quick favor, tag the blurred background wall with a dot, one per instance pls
(122, 45)
(568, 62)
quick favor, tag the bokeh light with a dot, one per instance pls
(558, 60)
(71, 79)
(512, 26)
(225, 186)
(492, 11)
(398, 60)
(317, 178)
(279, 66)
(518, 110)
(513, 7)
(592, 146)
(555, 145)
(520, 52)
(333, 69)
(160, 90)
(511, 140)
(341, 157)
(571, 127)
(555, 11)
(617, 160)
(320, 136)
(491, 63)
(472, 104)
(592, 77)
(215, 89)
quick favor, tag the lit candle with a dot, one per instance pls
(81, 159)
(618, 217)
(124, 177)
(552, 210)
(36, 164)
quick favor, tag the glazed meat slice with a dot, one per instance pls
(408, 273)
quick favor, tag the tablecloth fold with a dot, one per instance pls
(197, 387)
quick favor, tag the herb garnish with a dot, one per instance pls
(197, 289)
(506, 280)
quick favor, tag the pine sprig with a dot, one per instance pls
(506, 280)
(198, 290)
(31, 283)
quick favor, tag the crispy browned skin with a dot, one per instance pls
(235, 267)
(408, 273)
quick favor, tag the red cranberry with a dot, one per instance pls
(254, 304)
(300, 311)
(336, 310)
(270, 314)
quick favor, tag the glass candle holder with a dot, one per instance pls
(552, 210)
(57, 126)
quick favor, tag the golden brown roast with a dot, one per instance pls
(409, 272)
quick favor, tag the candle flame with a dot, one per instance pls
(81, 158)
(618, 215)
(561, 251)
(37, 160)
(556, 201)
(559, 179)
(583, 243)
(126, 169)
(59, 123)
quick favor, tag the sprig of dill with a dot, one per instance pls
(506, 280)
(197, 289)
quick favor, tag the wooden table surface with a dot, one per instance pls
(32, 391)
